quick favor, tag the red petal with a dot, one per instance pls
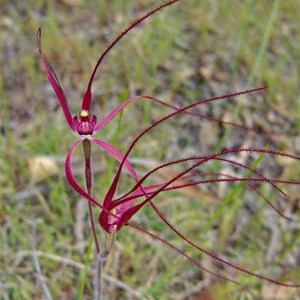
(55, 84)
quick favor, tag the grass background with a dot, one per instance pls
(191, 50)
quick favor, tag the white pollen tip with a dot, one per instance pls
(84, 113)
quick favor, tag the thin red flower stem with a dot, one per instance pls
(88, 180)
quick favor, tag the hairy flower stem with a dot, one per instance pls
(88, 182)
(101, 258)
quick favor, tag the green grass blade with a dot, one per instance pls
(84, 273)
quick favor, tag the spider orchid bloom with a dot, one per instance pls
(117, 212)
(85, 124)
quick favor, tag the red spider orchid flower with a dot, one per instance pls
(85, 124)
(116, 212)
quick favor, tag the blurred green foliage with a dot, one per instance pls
(192, 50)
